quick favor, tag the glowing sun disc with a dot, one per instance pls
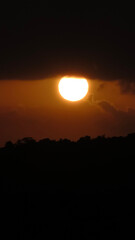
(73, 89)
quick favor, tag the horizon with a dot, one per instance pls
(86, 138)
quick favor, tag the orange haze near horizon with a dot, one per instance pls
(36, 109)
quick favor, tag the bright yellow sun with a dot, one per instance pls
(73, 88)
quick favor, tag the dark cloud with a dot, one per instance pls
(101, 87)
(127, 86)
(39, 41)
(123, 120)
(108, 107)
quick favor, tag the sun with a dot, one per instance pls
(73, 88)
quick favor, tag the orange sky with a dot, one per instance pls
(36, 109)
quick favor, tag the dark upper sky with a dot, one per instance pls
(46, 41)
(40, 40)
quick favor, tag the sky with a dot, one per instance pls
(42, 42)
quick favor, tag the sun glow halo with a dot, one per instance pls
(72, 88)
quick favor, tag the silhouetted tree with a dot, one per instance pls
(87, 186)
(9, 145)
(64, 141)
(26, 140)
(84, 140)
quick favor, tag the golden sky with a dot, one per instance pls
(36, 109)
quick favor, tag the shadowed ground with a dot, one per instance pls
(68, 190)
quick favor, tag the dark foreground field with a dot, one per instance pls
(68, 190)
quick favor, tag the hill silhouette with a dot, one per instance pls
(69, 190)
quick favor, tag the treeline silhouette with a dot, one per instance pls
(68, 190)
